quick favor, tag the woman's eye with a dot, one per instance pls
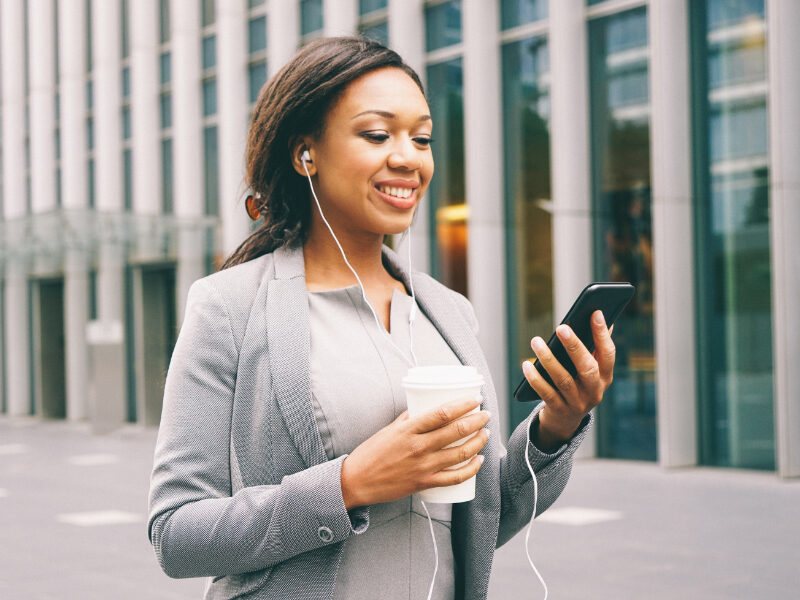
(423, 141)
(375, 136)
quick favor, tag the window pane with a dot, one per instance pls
(258, 77)
(124, 31)
(166, 67)
(443, 25)
(126, 122)
(209, 97)
(519, 12)
(368, 6)
(208, 16)
(310, 16)
(163, 21)
(127, 178)
(166, 111)
(733, 242)
(526, 140)
(209, 52)
(257, 34)
(211, 166)
(90, 133)
(378, 32)
(126, 82)
(254, 3)
(166, 176)
(621, 198)
(90, 176)
(447, 199)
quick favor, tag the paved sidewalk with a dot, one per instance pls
(73, 504)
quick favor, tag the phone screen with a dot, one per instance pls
(609, 297)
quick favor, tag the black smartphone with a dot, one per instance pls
(611, 298)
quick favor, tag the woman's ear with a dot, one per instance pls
(303, 157)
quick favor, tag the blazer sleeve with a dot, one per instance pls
(516, 484)
(195, 525)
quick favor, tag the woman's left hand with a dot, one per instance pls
(570, 401)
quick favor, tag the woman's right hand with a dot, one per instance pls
(410, 455)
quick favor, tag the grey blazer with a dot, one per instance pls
(241, 489)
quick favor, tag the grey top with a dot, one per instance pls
(356, 389)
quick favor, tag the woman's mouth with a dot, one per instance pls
(402, 197)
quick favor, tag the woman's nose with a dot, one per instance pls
(405, 156)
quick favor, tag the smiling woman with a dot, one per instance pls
(287, 465)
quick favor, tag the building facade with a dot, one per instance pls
(649, 141)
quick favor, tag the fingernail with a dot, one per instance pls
(488, 413)
(488, 431)
(538, 343)
(527, 367)
(481, 458)
(564, 332)
(598, 317)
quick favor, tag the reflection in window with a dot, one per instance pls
(442, 25)
(519, 12)
(166, 176)
(446, 193)
(257, 76)
(257, 34)
(209, 97)
(368, 6)
(310, 16)
(733, 244)
(209, 52)
(211, 170)
(620, 114)
(526, 138)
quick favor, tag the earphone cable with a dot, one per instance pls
(533, 515)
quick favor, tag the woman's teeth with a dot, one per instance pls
(397, 192)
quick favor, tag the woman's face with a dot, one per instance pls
(372, 162)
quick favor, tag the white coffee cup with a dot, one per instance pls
(428, 387)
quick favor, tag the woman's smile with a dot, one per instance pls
(400, 193)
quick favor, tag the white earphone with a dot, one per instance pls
(305, 156)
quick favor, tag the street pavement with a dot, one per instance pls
(73, 525)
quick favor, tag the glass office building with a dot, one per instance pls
(647, 141)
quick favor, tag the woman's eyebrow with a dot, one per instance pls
(387, 115)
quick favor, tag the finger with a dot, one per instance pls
(442, 415)
(587, 370)
(458, 455)
(546, 391)
(456, 476)
(564, 382)
(457, 429)
(605, 350)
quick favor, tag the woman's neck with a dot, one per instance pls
(326, 269)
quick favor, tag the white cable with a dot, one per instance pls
(411, 316)
(533, 515)
(361, 285)
(435, 550)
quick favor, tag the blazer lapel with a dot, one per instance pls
(289, 344)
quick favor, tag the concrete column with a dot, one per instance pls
(145, 125)
(783, 47)
(407, 38)
(233, 111)
(484, 188)
(340, 17)
(283, 33)
(42, 80)
(12, 57)
(188, 144)
(106, 53)
(673, 223)
(569, 155)
(74, 194)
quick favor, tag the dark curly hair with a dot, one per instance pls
(295, 103)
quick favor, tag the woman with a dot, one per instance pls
(286, 465)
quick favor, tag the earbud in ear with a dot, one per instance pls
(305, 156)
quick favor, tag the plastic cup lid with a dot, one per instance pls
(444, 376)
